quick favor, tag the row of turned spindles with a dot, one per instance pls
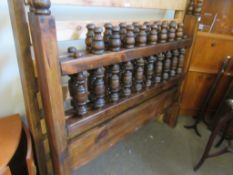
(124, 36)
(119, 81)
(195, 8)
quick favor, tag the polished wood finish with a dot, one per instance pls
(112, 88)
(28, 79)
(9, 137)
(105, 136)
(89, 61)
(43, 33)
(212, 49)
(78, 126)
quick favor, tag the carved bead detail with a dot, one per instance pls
(153, 36)
(89, 36)
(179, 31)
(98, 43)
(139, 74)
(41, 7)
(78, 92)
(149, 70)
(130, 38)
(107, 35)
(163, 35)
(123, 32)
(158, 68)
(115, 83)
(172, 31)
(127, 78)
(99, 88)
(141, 39)
(115, 39)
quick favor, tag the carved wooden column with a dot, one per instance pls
(141, 38)
(107, 35)
(89, 37)
(123, 32)
(153, 35)
(149, 70)
(115, 83)
(130, 37)
(99, 88)
(175, 54)
(127, 79)
(167, 66)
(98, 43)
(139, 74)
(158, 69)
(180, 31)
(116, 39)
(163, 35)
(181, 60)
(172, 31)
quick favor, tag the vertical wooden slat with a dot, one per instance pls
(44, 42)
(26, 68)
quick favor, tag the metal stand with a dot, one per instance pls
(201, 113)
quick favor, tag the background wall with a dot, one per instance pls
(11, 97)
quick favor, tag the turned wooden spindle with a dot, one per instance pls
(77, 87)
(181, 61)
(98, 43)
(190, 10)
(172, 31)
(115, 83)
(91, 81)
(107, 35)
(78, 92)
(174, 63)
(149, 70)
(198, 8)
(127, 79)
(99, 88)
(40, 7)
(167, 66)
(116, 39)
(141, 38)
(153, 36)
(130, 37)
(139, 74)
(123, 32)
(148, 27)
(163, 35)
(158, 68)
(136, 26)
(89, 37)
(179, 31)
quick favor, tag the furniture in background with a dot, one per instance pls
(222, 125)
(16, 156)
(113, 88)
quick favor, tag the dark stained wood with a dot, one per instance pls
(43, 33)
(28, 80)
(89, 61)
(101, 138)
(77, 126)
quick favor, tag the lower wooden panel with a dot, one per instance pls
(89, 145)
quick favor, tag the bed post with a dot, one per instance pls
(43, 33)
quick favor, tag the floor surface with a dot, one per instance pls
(157, 149)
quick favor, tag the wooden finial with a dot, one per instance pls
(73, 52)
(89, 36)
(163, 33)
(107, 35)
(116, 39)
(141, 38)
(41, 7)
(172, 31)
(153, 36)
(98, 43)
(130, 37)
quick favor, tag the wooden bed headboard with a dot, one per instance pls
(111, 93)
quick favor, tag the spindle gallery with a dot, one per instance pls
(127, 74)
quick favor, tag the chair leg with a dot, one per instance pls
(208, 147)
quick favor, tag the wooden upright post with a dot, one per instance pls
(43, 32)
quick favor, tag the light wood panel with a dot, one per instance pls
(156, 4)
